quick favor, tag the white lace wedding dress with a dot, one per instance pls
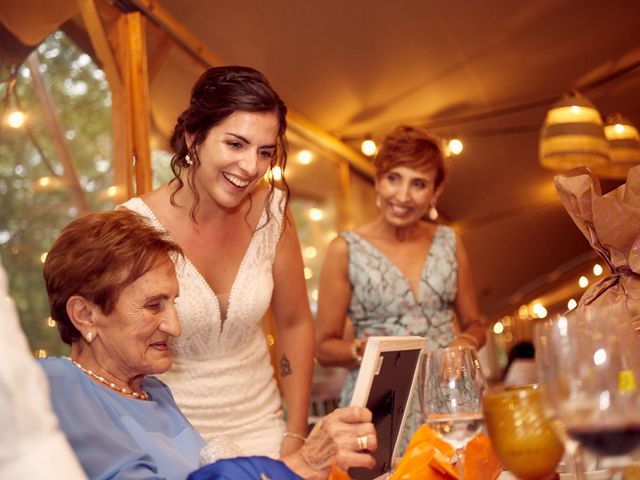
(222, 377)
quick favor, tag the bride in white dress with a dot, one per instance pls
(243, 256)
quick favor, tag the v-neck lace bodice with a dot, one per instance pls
(222, 377)
(383, 303)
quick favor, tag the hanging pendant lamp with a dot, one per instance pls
(624, 147)
(573, 136)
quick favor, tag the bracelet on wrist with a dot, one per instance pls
(297, 436)
(356, 352)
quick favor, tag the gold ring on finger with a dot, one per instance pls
(363, 442)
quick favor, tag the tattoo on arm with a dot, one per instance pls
(285, 366)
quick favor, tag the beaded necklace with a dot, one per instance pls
(139, 396)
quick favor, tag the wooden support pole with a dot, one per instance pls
(130, 109)
(138, 84)
(100, 42)
(60, 144)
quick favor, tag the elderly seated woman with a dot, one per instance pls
(112, 290)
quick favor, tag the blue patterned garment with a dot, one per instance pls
(382, 302)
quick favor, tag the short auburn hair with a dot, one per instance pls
(98, 255)
(413, 147)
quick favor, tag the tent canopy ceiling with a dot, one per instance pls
(485, 72)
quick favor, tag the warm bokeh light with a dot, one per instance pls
(44, 181)
(583, 282)
(305, 157)
(315, 214)
(571, 304)
(498, 328)
(314, 294)
(597, 269)
(308, 273)
(455, 146)
(368, 147)
(277, 173)
(310, 252)
(16, 119)
(43, 257)
(539, 310)
(523, 312)
(111, 191)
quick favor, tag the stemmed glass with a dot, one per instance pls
(451, 388)
(589, 366)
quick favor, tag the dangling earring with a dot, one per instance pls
(89, 337)
(187, 160)
(433, 213)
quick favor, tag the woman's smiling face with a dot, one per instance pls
(132, 340)
(406, 194)
(235, 156)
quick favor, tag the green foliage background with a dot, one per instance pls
(31, 216)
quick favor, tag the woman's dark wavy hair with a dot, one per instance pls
(218, 93)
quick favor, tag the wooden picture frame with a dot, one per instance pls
(384, 385)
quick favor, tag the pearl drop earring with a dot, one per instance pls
(89, 337)
(187, 160)
(433, 213)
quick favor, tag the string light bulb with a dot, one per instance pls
(368, 147)
(16, 119)
(597, 269)
(583, 282)
(305, 157)
(455, 146)
(315, 214)
(277, 173)
(571, 304)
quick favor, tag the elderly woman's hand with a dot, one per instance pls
(345, 437)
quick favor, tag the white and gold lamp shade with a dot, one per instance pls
(573, 136)
(624, 147)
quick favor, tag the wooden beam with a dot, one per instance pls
(121, 120)
(60, 144)
(138, 85)
(131, 112)
(312, 132)
(181, 34)
(158, 56)
(100, 42)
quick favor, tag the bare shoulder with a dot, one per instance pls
(158, 200)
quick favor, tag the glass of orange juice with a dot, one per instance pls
(522, 437)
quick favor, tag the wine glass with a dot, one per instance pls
(521, 434)
(451, 388)
(589, 365)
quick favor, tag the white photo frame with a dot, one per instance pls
(384, 384)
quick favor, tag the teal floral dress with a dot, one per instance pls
(382, 302)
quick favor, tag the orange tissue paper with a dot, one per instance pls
(428, 457)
